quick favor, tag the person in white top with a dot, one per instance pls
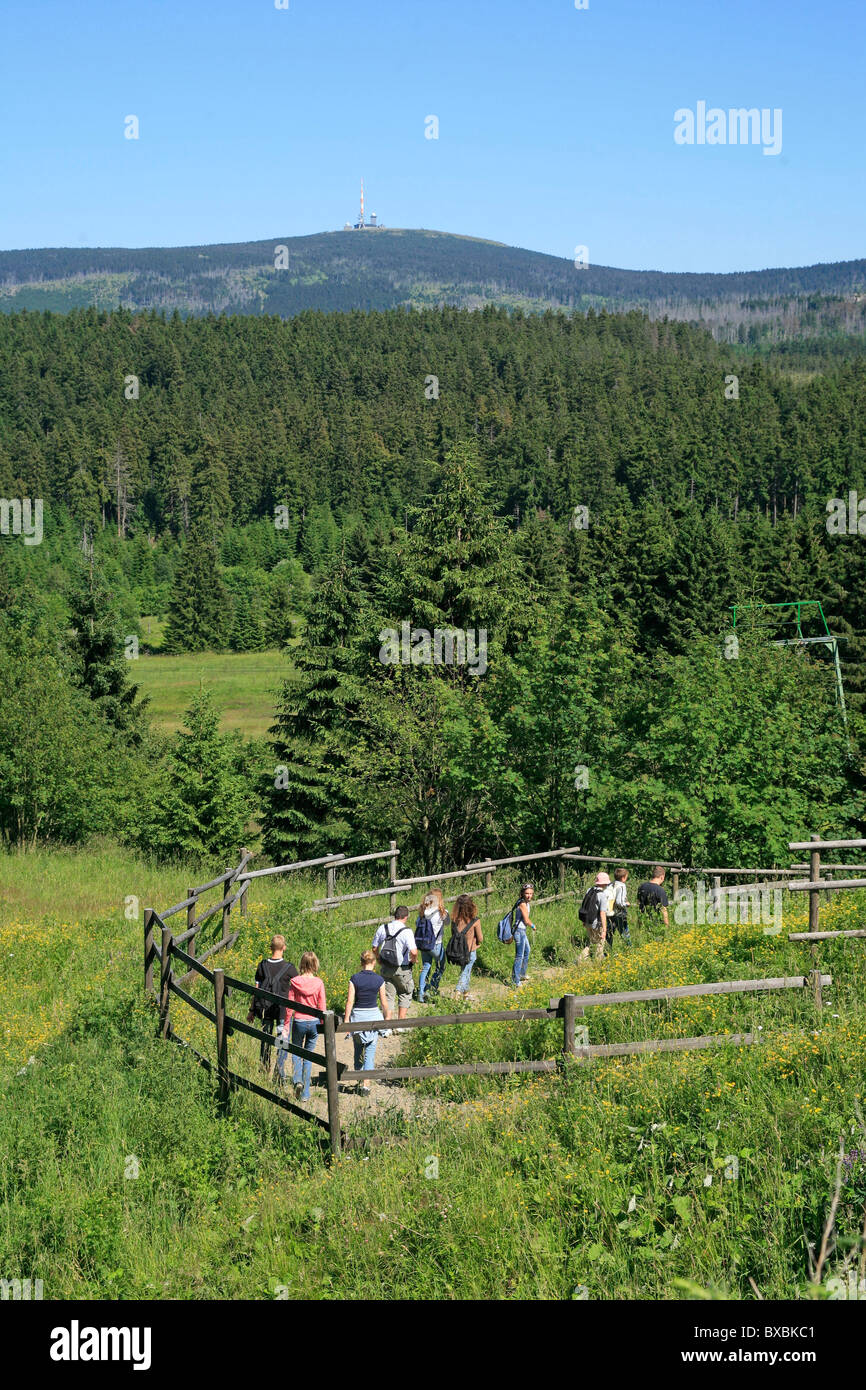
(598, 904)
(430, 940)
(620, 905)
(396, 953)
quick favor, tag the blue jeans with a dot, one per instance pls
(521, 954)
(463, 982)
(365, 1043)
(427, 959)
(305, 1031)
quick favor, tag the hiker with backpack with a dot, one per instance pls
(396, 953)
(466, 937)
(274, 974)
(594, 914)
(520, 930)
(305, 988)
(366, 1001)
(430, 940)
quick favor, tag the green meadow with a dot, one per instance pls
(689, 1175)
(243, 685)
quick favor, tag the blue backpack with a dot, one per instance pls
(425, 933)
(505, 930)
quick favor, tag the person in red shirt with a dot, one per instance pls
(305, 989)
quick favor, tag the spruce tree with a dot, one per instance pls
(201, 803)
(99, 662)
(307, 805)
(200, 608)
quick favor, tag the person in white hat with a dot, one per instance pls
(594, 912)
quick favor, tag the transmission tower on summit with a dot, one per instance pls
(361, 224)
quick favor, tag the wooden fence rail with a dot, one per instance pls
(162, 948)
(823, 935)
(836, 868)
(569, 1007)
(523, 858)
(617, 859)
(267, 997)
(815, 843)
(815, 884)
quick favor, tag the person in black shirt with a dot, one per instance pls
(651, 897)
(273, 974)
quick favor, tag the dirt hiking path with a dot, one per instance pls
(394, 1098)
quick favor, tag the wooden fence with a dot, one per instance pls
(568, 1008)
(815, 885)
(234, 884)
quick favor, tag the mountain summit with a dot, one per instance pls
(383, 268)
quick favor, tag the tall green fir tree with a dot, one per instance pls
(200, 803)
(307, 808)
(199, 613)
(101, 664)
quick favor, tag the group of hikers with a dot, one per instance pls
(385, 984)
(604, 910)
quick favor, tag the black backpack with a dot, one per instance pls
(277, 981)
(388, 953)
(589, 911)
(457, 950)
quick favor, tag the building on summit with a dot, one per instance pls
(362, 225)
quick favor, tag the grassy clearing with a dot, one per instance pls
(610, 1179)
(243, 684)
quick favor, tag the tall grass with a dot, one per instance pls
(656, 1176)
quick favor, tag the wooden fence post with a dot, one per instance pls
(817, 990)
(245, 888)
(190, 919)
(392, 900)
(488, 882)
(148, 950)
(331, 890)
(676, 884)
(222, 1042)
(814, 875)
(164, 976)
(227, 885)
(569, 1014)
(331, 1080)
(717, 894)
(562, 876)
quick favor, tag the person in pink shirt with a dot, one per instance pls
(304, 988)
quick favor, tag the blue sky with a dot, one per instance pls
(555, 124)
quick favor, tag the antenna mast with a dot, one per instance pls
(361, 218)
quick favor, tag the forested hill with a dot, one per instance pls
(706, 479)
(591, 492)
(135, 414)
(388, 268)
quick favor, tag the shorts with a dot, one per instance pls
(594, 932)
(400, 982)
